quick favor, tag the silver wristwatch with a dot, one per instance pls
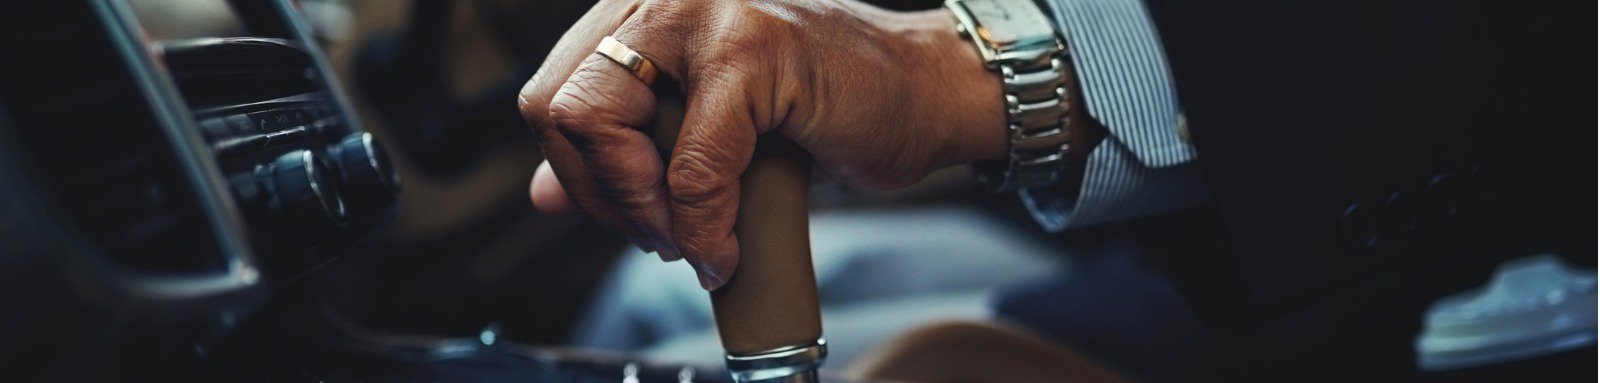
(1016, 39)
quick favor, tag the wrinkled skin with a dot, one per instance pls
(878, 98)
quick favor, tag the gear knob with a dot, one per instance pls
(768, 315)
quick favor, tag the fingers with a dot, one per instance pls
(659, 30)
(714, 147)
(581, 189)
(576, 183)
(602, 164)
(714, 144)
(598, 110)
(577, 44)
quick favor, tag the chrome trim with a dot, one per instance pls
(787, 364)
(299, 98)
(302, 34)
(332, 201)
(204, 41)
(385, 171)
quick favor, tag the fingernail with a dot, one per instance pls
(708, 280)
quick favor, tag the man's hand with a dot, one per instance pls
(878, 98)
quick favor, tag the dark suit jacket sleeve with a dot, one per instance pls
(1341, 138)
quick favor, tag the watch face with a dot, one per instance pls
(1006, 24)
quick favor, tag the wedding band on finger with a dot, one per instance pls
(638, 65)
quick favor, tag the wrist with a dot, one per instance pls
(958, 97)
(1020, 43)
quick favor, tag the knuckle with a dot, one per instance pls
(535, 94)
(590, 101)
(570, 110)
(735, 44)
(696, 178)
(737, 34)
(741, 40)
(532, 111)
(574, 110)
(537, 115)
(664, 17)
(544, 130)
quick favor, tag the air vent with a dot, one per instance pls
(224, 71)
(92, 145)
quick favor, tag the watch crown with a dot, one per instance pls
(961, 29)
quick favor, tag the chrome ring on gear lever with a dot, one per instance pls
(785, 365)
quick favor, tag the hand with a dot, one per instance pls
(878, 98)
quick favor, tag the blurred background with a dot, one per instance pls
(463, 269)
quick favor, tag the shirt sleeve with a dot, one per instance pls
(1145, 167)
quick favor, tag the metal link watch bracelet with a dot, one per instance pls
(1017, 40)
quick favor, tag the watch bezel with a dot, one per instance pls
(1038, 45)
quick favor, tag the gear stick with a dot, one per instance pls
(768, 315)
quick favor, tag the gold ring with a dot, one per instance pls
(628, 58)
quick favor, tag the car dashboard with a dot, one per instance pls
(158, 186)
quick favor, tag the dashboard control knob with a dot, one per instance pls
(304, 198)
(365, 174)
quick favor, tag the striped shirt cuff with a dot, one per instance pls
(1145, 167)
(1117, 187)
(1123, 74)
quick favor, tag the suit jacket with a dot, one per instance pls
(1365, 158)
